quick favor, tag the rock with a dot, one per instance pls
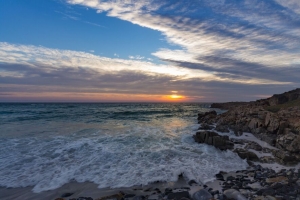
(207, 116)
(219, 177)
(253, 145)
(212, 138)
(222, 128)
(234, 194)
(284, 157)
(254, 124)
(129, 196)
(205, 126)
(138, 198)
(118, 196)
(178, 195)
(267, 159)
(279, 179)
(244, 154)
(202, 195)
(255, 186)
(191, 183)
(67, 194)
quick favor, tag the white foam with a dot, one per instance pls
(135, 154)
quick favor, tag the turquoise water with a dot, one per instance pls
(110, 144)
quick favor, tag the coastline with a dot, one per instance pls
(259, 178)
(273, 171)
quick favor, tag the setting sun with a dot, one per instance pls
(175, 96)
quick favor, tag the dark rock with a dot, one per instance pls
(244, 154)
(213, 138)
(207, 116)
(266, 191)
(219, 177)
(85, 198)
(67, 194)
(192, 182)
(178, 195)
(129, 195)
(222, 128)
(205, 126)
(138, 198)
(253, 145)
(285, 157)
(202, 195)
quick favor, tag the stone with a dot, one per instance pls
(213, 138)
(255, 186)
(205, 126)
(67, 194)
(234, 194)
(178, 195)
(254, 146)
(138, 198)
(244, 154)
(279, 179)
(202, 195)
(222, 128)
(284, 157)
(267, 159)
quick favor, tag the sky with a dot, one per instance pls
(148, 50)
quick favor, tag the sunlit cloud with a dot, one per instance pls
(255, 38)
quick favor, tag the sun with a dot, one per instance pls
(175, 96)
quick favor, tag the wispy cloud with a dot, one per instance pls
(77, 18)
(247, 35)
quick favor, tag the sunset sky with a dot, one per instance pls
(148, 50)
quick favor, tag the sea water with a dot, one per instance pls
(47, 145)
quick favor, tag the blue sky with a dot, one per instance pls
(151, 50)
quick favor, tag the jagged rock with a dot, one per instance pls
(244, 154)
(267, 159)
(284, 157)
(207, 116)
(205, 126)
(290, 142)
(222, 128)
(253, 145)
(202, 195)
(213, 138)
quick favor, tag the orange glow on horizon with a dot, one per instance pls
(91, 97)
(175, 96)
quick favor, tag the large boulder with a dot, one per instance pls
(290, 142)
(244, 154)
(213, 138)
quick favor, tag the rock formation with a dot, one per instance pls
(275, 120)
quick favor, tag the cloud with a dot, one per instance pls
(29, 71)
(241, 36)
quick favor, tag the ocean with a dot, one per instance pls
(46, 145)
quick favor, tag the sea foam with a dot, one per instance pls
(121, 156)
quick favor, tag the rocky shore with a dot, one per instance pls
(265, 132)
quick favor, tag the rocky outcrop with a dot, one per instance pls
(244, 154)
(207, 117)
(213, 138)
(275, 120)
